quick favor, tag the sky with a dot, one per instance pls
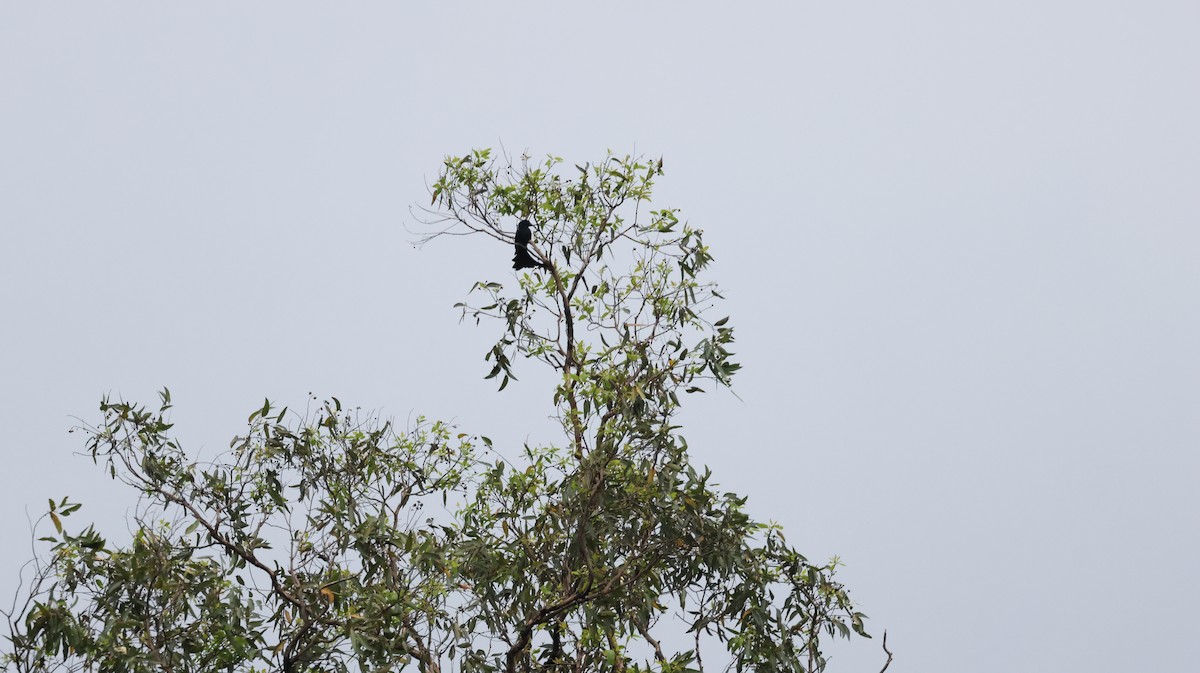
(959, 242)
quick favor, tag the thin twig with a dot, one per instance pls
(889, 653)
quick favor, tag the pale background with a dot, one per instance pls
(959, 241)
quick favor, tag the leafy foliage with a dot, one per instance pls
(331, 542)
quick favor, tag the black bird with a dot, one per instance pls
(523, 260)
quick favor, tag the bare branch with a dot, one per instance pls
(888, 652)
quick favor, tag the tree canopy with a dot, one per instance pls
(329, 540)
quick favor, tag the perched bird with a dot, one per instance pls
(523, 260)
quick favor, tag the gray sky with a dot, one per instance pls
(959, 242)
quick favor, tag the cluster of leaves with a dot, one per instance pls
(304, 547)
(330, 542)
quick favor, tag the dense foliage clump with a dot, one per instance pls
(316, 543)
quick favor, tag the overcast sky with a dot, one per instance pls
(959, 242)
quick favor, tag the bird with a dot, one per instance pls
(523, 260)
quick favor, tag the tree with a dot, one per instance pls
(313, 546)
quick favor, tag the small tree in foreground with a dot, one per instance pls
(329, 541)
